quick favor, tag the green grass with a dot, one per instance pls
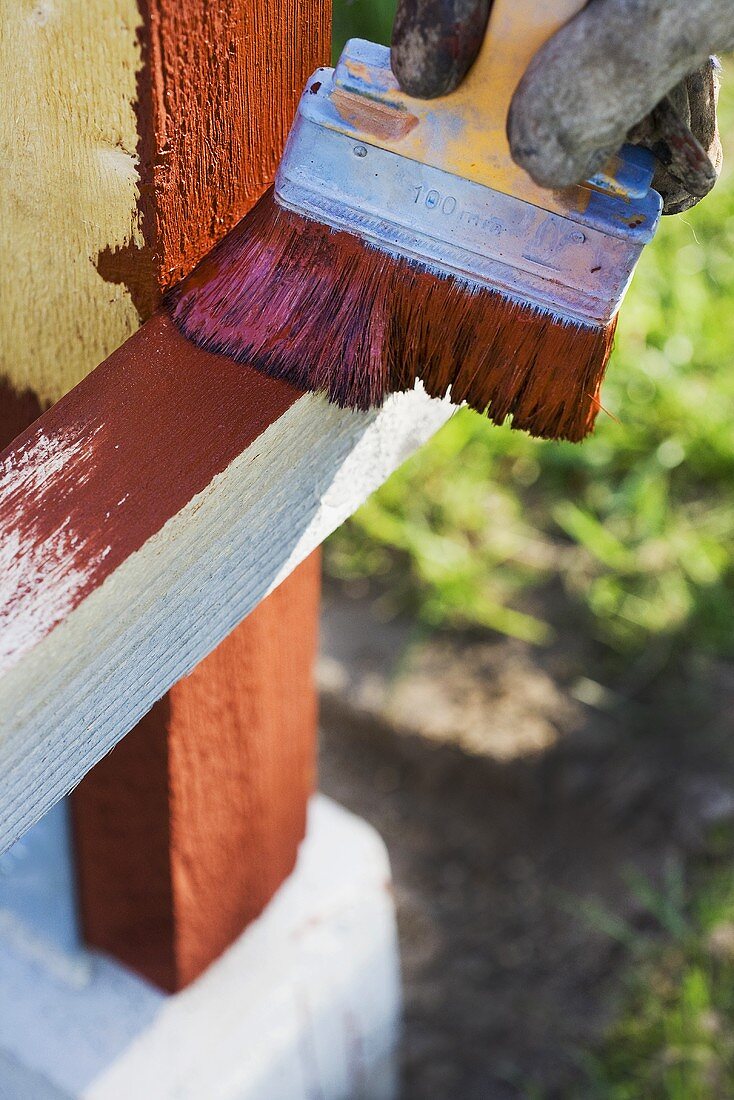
(637, 523)
(361, 19)
(674, 1036)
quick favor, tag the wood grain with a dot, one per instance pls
(69, 137)
(105, 468)
(133, 135)
(226, 80)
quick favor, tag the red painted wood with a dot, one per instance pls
(188, 827)
(135, 441)
(224, 81)
(221, 769)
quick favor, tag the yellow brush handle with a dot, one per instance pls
(516, 31)
(464, 132)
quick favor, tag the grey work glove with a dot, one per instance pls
(635, 70)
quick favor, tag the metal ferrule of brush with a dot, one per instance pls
(363, 157)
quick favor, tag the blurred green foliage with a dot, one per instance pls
(674, 1039)
(361, 19)
(637, 523)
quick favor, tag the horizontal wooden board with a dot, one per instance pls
(141, 518)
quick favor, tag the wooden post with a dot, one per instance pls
(135, 143)
(186, 829)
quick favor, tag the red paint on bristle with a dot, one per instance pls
(327, 312)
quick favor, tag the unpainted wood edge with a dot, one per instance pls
(82, 687)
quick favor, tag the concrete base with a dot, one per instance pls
(304, 1006)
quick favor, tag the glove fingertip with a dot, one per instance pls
(433, 47)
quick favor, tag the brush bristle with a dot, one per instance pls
(325, 311)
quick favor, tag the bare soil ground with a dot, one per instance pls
(515, 789)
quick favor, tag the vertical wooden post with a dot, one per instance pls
(188, 827)
(179, 109)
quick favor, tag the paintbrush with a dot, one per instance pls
(401, 241)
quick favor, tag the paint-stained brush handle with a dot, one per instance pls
(435, 42)
(515, 32)
(464, 132)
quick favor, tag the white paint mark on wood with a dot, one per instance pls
(31, 562)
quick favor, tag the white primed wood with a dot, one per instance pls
(70, 698)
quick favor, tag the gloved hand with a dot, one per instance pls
(636, 70)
